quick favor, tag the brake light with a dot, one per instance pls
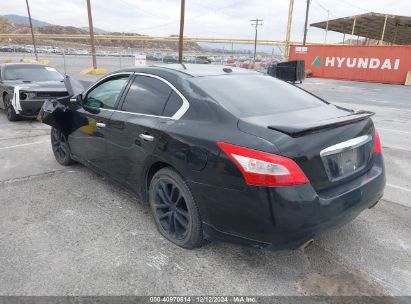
(377, 142)
(262, 168)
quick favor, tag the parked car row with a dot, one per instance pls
(42, 49)
(230, 60)
(249, 63)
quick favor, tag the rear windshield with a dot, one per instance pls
(31, 73)
(255, 95)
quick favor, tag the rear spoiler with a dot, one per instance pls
(312, 127)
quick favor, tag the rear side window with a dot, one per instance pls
(147, 95)
(256, 95)
(174, 103)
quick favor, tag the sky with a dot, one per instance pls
(204, 18)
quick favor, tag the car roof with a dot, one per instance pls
(194, 70)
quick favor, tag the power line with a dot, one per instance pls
(188, 18)
(327, 13)
(355, 6)
(320, 5)
(326, 10)
(344, 1)
(320, 10)
(145, 11)
(220, 8)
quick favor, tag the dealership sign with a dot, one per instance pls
(359, 63)
(366, 63)
(140, 60)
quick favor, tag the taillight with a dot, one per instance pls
(377, 142)
(262, 168)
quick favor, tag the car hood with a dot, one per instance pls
(54, 86)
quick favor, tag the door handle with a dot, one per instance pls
(100, 125)
(146, 137)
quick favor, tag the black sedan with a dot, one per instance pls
(24, 87)
(224, 153)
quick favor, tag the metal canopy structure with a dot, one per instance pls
(388, 28)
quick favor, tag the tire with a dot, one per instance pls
(8, 107)
(61, 148)
(174, 210)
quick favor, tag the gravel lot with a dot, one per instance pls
(68, 231)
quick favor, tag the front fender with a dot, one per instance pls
(61, 116)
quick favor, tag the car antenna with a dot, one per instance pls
(183, 65)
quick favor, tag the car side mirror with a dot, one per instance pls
(79, 99)
(74, 101)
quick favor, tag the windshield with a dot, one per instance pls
(255, 95)
(31, 73)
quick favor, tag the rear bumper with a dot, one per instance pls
(285, 217)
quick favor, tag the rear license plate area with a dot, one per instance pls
(346, 163)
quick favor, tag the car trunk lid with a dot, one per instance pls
(329, 143)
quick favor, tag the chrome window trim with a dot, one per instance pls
(346, 145)
(101, 80)
(180, 112)
(177, 115)
(132, 113)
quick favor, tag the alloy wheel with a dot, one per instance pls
(59, 144)
(171, 209)
(9, 107)
(9, 111)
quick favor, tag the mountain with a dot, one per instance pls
(16, 19)
(96, 30)
(7, 27)
(238, 47)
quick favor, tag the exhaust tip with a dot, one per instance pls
(306, 245)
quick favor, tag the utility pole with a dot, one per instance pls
(32, 31)
(288, 34)
(181, 37)
(306, 21)
(256, 22)
(383, 30)
(91, 31)
(326, 27)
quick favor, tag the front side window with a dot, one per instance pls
(106, 94)
(147, 95)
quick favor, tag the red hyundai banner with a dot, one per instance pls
(387, 64)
